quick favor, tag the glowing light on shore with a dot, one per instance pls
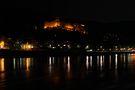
(27, 46)
(2, 43)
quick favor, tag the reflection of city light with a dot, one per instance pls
(21, 62)
(2, 76)
(2, 67)
(68, 68)
(116, 60)
(98, 60)
(124, 60)
(50, 64)
(14, 63)
(90, 61)
(50, 60)
(68, 64)
(28, 64)
(87, 62)
(101, 62)
(132, 56)
(110, 61)
(53, 60)
(64, 60)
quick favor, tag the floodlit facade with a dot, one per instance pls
(49, 25)
(27, 46)
(3, 45)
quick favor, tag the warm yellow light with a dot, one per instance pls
(2, 67)
(69, 27)
(27, 63)
(27, 46)
(51, 24)
(63, 25)
(2, 44)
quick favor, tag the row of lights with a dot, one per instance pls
(25, 46)
(29, 46)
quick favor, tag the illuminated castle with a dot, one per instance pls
(57, 24)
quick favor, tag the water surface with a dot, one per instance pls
(104, 72)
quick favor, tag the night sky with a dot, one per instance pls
(104, 10)
(20, 14)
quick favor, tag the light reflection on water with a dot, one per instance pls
(2, 66)
(116, 61)
(22, 63)
(2, 69)
(62, 71)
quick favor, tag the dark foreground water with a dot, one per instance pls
(104, 72)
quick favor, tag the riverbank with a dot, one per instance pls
(17, 53)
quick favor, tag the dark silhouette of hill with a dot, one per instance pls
(20, 22)
(124, 30)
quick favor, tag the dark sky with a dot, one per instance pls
(97, 10)
(19, 15)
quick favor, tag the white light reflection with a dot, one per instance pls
(21, 62)
(97, 60)
(129, 57)
(116, 61)
(14, 63)
(110, 58)
(116, 66)
(68, 64)
(101, 63)
(90, 61)
(53, 60)
(50, 64)
(87, 62)
(50, 60)
(124, 60)
(103, 58)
